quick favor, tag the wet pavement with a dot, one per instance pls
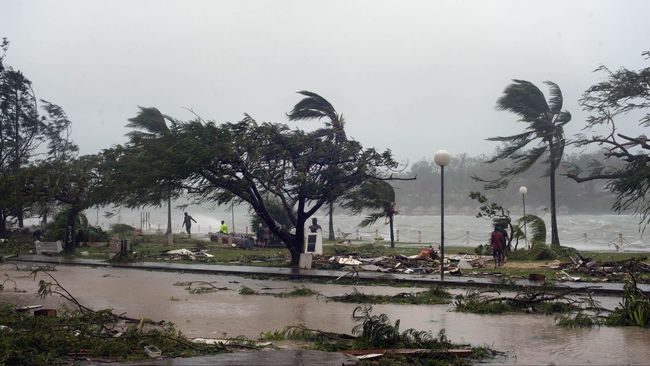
(424, 280)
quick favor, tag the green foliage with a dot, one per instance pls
(298, 292)
(364, 250)
(245, 290)
(55, 229)
(122, 230)
(53, 340)
(578, 320)
(535, 227)
(435, 295)
(621, 95)
(96, 234)
(529, 301)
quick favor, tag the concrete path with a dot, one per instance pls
(261, 358)
(605, 288)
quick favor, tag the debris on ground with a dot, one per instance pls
(603, 271)
(184, 254)
(425, 262)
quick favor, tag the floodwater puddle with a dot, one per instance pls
(527, 339)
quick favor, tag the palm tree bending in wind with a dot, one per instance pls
(546, 122)
(313, 106)
(151, 124)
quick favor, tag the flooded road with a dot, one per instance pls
(528, 339)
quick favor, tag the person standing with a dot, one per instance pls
(496, 241)
(259, 233)
(187, 222)
(223, 229)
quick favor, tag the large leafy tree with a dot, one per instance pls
(313, 106)
(545, 122)
(76, 184)
(22, 132)
(622, 95)
(150, 124)
(258, 164)
(377, 196)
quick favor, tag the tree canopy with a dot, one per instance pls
(622, 96)
(255, 163)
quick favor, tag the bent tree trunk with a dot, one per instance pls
(70, 238)
(296, 243)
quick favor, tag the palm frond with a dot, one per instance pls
(536, 228)
(313, 106)
(555, 101)
(524, 99)
(372, 218)
(150, 122)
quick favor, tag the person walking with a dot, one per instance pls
(187, 222)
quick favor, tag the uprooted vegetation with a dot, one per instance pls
(377, 335)
(572, 310)
(296, 292)
(633, 310)
(529, 301)
(435, 295)
(82, 333)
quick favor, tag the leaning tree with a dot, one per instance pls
(621, 97)
(545, 122)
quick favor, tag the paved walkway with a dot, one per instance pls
(605, 288)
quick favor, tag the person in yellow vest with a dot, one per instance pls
(223, 229)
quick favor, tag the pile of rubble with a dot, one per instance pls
(604, 270)
(425, 262)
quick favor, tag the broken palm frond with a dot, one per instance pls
(244, 290)
(298, 292)
(539, 301)
(376, 332)
(634, 310)
(204, 287)
(83, 332)
(433, 296)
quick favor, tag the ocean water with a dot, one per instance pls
(584, 232)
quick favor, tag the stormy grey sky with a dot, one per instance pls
(412, 76)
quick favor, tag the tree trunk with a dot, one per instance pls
(3, 223)
(555, 238)
(169, 215)
(297, 244)
(331, 223)
(70, 238)
(392, 236)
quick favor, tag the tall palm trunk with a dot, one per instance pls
(169, 215)
(331, 221)
(555, 238)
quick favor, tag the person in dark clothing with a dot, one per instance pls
(187, 222)
(496, 241)
(504, 242)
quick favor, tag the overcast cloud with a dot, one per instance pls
(412, 76)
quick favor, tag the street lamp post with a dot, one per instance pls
(442, 158)
(523, 190)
